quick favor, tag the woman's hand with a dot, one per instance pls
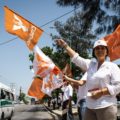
(96, 94)
(61, 42)
(66, 78)
(68, 49)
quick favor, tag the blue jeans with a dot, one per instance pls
(81, 109)
(68, 114)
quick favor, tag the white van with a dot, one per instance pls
(6, 102)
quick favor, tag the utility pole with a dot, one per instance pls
(20, 90)
(12, 86)
(20, 93)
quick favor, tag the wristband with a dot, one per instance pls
(102, 91)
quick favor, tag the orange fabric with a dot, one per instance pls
(35, 89)
(46, 69)
(17, 25)
(42, 66)
(42, 71)
(113, 42)
(49, 83)
(56, 70)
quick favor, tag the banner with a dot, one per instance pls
(47, 70)
(52, 81)
(35, 89)
(113, 42)
(19, 26)
(42, 64)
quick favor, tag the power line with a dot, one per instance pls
(59, 17)
(43, 25)
(8, 41)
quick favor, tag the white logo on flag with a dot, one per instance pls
(18, 24)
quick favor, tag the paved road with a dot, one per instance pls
(39, 112)
(31, 112)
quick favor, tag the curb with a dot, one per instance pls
(54, 115)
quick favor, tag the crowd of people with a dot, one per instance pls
(54, 103)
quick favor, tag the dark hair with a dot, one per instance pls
(93, 52)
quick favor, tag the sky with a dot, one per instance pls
(14, 60)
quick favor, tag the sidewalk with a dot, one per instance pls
(58, 112)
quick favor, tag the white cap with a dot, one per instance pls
(100, 42)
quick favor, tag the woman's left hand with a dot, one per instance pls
(96, 94)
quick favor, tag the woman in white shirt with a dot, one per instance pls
(103, 81)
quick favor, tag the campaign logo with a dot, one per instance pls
(18, 24)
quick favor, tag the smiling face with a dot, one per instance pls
(100, 53)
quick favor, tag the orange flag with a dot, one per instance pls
(113, 42)
(47, 70)
(35, 89)
(42, 64)
(52, 81)
(17, 25)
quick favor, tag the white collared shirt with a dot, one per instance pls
(68, 92)
(82, 90)
(108, 75)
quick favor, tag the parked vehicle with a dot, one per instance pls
(6, 102)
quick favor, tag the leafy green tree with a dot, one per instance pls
(22, 98)
(104, 15)
(48, 51)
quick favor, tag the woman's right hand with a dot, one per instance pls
(61, 42)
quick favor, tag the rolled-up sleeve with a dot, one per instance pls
(114, 86)
(81, 62)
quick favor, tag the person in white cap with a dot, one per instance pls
(102, 81)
